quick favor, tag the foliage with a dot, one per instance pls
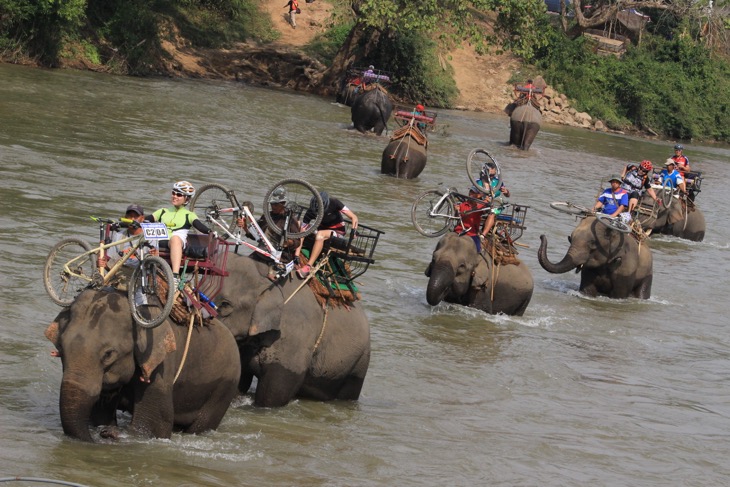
(417, 74)
(324, 47)
(675, 86)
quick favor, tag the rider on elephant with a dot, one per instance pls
(333, 224)
(614, 200)
(636, 180)
(498, 189)
(278, 214)
(471, 219)
(136, 214)
(681, 159)
(670, 173)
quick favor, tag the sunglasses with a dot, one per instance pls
(175, 193)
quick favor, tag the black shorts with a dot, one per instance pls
(634, 195)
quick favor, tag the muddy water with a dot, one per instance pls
(577, 392)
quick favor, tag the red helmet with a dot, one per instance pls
(420, 108)
(646, 165)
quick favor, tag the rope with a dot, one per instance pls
(187, 344)
(315, 268)
(321, 332)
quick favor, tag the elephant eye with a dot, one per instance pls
(570, 239)
(108, 357)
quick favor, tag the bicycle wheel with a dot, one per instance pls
(667, 192)
(61, 286)
(212, 197)
(570, 208)
(432, 214)
(151, 291)
(477, 163)
(299, 195)
(614, 223)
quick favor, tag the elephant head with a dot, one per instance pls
(102, 350)
(592, 245)
(452, 269)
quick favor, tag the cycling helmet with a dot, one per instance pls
(184, 187)
(325, 201)
(420, 107)
(646, 165)
(679, 147)
(278, 195)
(371, 67)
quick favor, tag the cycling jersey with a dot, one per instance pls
(633, 181)
(611, 201)
(175, 218)
(675, 177)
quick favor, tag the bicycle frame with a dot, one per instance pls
(258, 236)
(453, 194)
(138, 246)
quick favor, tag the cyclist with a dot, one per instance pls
(487, 177)
(636, 181)
(671, 173)
(278, 214)
(614, 200)
(333, 224)
(179, 220)
(470, 222)
(136, 214)
(681, 159)
(420, 110)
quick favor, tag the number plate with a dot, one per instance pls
(155, 231)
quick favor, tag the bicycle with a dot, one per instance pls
(65, 277)
(222, 210)
(614, 223)
(478, 165)
(435, 212)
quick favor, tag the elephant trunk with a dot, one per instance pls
(561, 267)
(442, 277)
(75, 405)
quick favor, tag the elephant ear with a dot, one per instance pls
(54, 330)
(151, 346)
(480, 275)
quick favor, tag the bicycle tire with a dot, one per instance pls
(570, 208)
(614, 223)
(216, 196)
(475, 163)
(299, 196)
(60, 286)
(667, 193)
(155, 267)
(421, 214)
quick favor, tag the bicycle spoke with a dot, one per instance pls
(213, 197)
(477, 167)
(62, 286)
(432, 214)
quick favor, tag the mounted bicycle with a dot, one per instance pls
(71, 267)
(289, 200)
(614, 223)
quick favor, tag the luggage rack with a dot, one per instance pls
(513, 223)
(351, 256)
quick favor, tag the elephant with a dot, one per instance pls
(348, 91)
(110, 363)
(611, 263)
(524, 122)
(681, 219)
(296, 348)
(461, 275)
(405, 155)
(371, 110)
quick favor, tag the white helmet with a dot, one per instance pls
(184, 187)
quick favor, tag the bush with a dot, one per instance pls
(324, 47)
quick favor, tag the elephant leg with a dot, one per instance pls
(212, 412)
(529, 135)
(515, 133)
(153, 408)
(351, 388)
(277, 386)
(643, 290)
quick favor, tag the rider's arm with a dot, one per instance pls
(353, 217)
(200, 226)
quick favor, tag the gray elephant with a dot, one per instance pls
(347, 92)
(679, 220)
(109, 363)
(297, 348)
(371, 110)
(524, 122)
(611, 263)
(405, 155)
(459, 274)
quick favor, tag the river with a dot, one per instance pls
(576, 392)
